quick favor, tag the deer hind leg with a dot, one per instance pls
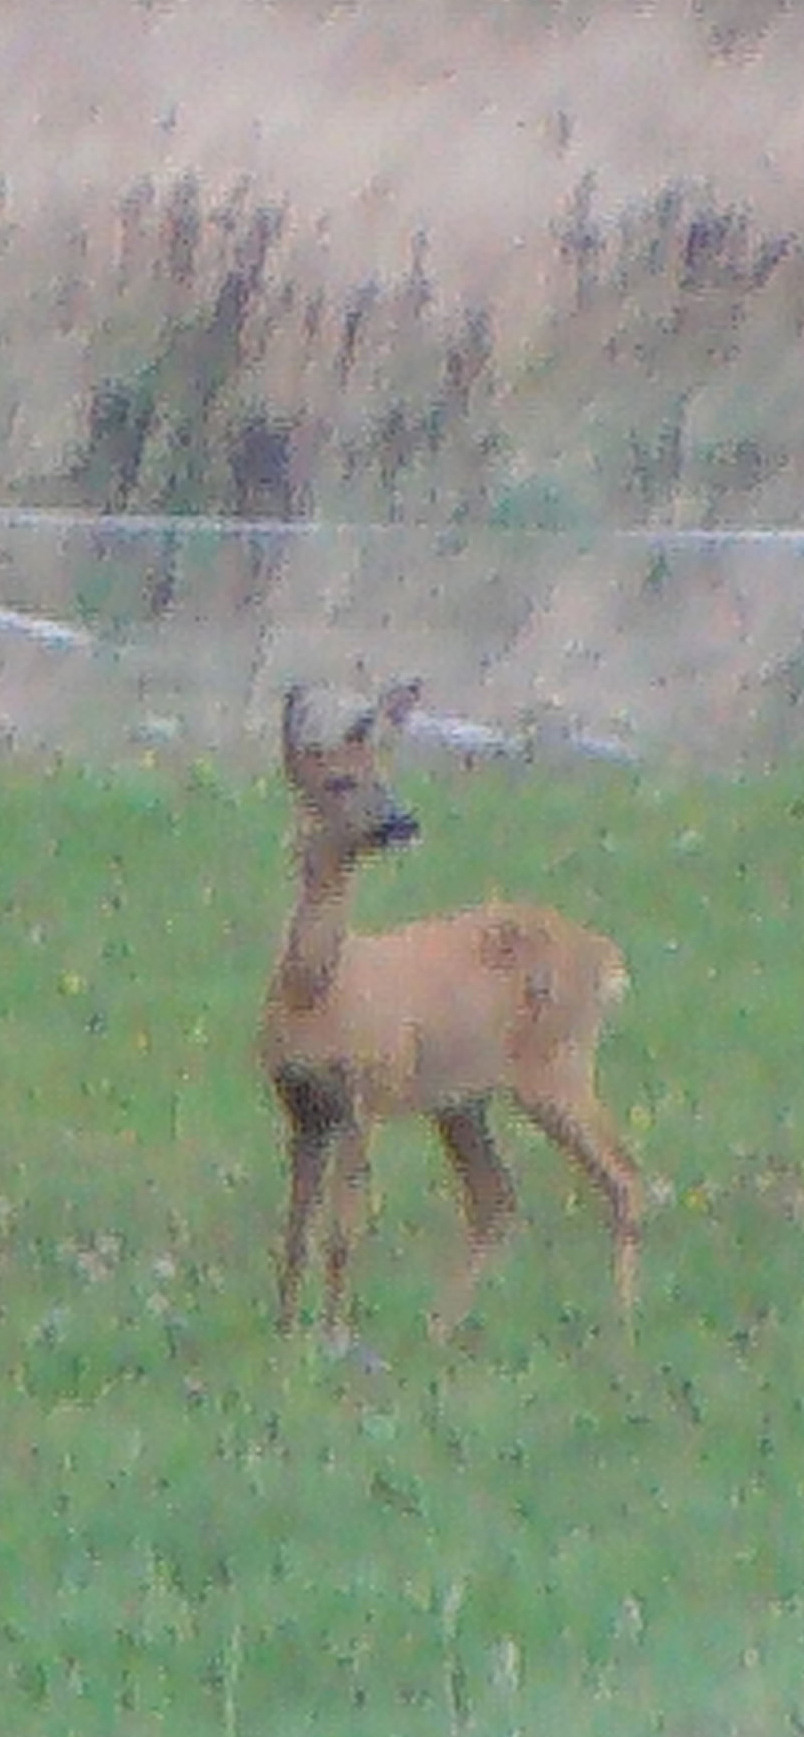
(317, 1106)
(581, 1127)
(489, 1200)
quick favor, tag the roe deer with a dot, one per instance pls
(431, 1018)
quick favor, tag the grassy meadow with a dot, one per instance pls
(538, 1529)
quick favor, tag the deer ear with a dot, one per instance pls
(294, 719)
(399, 699)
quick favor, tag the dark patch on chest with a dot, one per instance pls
(316, 1099)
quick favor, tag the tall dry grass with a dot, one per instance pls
(431, 263)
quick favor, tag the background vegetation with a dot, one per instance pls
(234, 379)
(500, 277)
(536, 1529)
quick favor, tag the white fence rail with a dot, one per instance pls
(118, 633)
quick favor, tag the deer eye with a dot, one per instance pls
(340, 784)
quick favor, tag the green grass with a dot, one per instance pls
(537, 1530)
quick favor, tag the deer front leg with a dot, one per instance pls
(317, 1106)
(308, 1157)
(347, 1205)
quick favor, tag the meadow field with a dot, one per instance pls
(538, 1529)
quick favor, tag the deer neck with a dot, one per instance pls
(318, 926)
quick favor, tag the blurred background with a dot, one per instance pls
(455, 339)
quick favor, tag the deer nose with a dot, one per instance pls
(398, 826)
